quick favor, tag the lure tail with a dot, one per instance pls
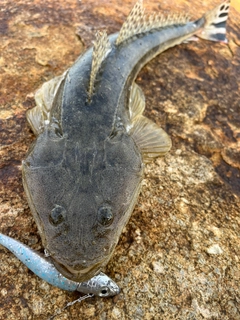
(214, 28)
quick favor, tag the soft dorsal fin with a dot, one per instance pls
(101, 48)
(152, 140)
(138, 22)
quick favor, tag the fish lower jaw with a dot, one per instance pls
(78, 275)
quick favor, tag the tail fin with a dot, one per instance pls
(215, 23)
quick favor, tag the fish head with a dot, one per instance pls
(81, 199)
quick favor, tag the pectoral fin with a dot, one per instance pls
(152, 140)
(39, 116)
(136, 102)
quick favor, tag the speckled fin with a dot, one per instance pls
(152, 140)
(215, 23)
(101, 48)
(39, 116)
(138, 22)
(136, 102)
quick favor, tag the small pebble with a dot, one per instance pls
(214, 249)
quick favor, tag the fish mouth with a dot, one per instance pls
(80, 273)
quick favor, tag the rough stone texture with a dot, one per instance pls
(178, 257)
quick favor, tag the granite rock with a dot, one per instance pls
(178, 257)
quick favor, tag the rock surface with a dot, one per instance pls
(178, 257)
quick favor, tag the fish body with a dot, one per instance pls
(83, 174)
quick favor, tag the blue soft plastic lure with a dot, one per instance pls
(100, 285)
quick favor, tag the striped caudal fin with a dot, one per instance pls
(215, 23)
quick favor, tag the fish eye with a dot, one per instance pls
(104, 292)
(57, 215)
(105, 215)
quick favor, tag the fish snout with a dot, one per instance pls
(79, 271)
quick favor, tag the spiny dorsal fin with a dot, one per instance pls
(138, 22)
(101, 48)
